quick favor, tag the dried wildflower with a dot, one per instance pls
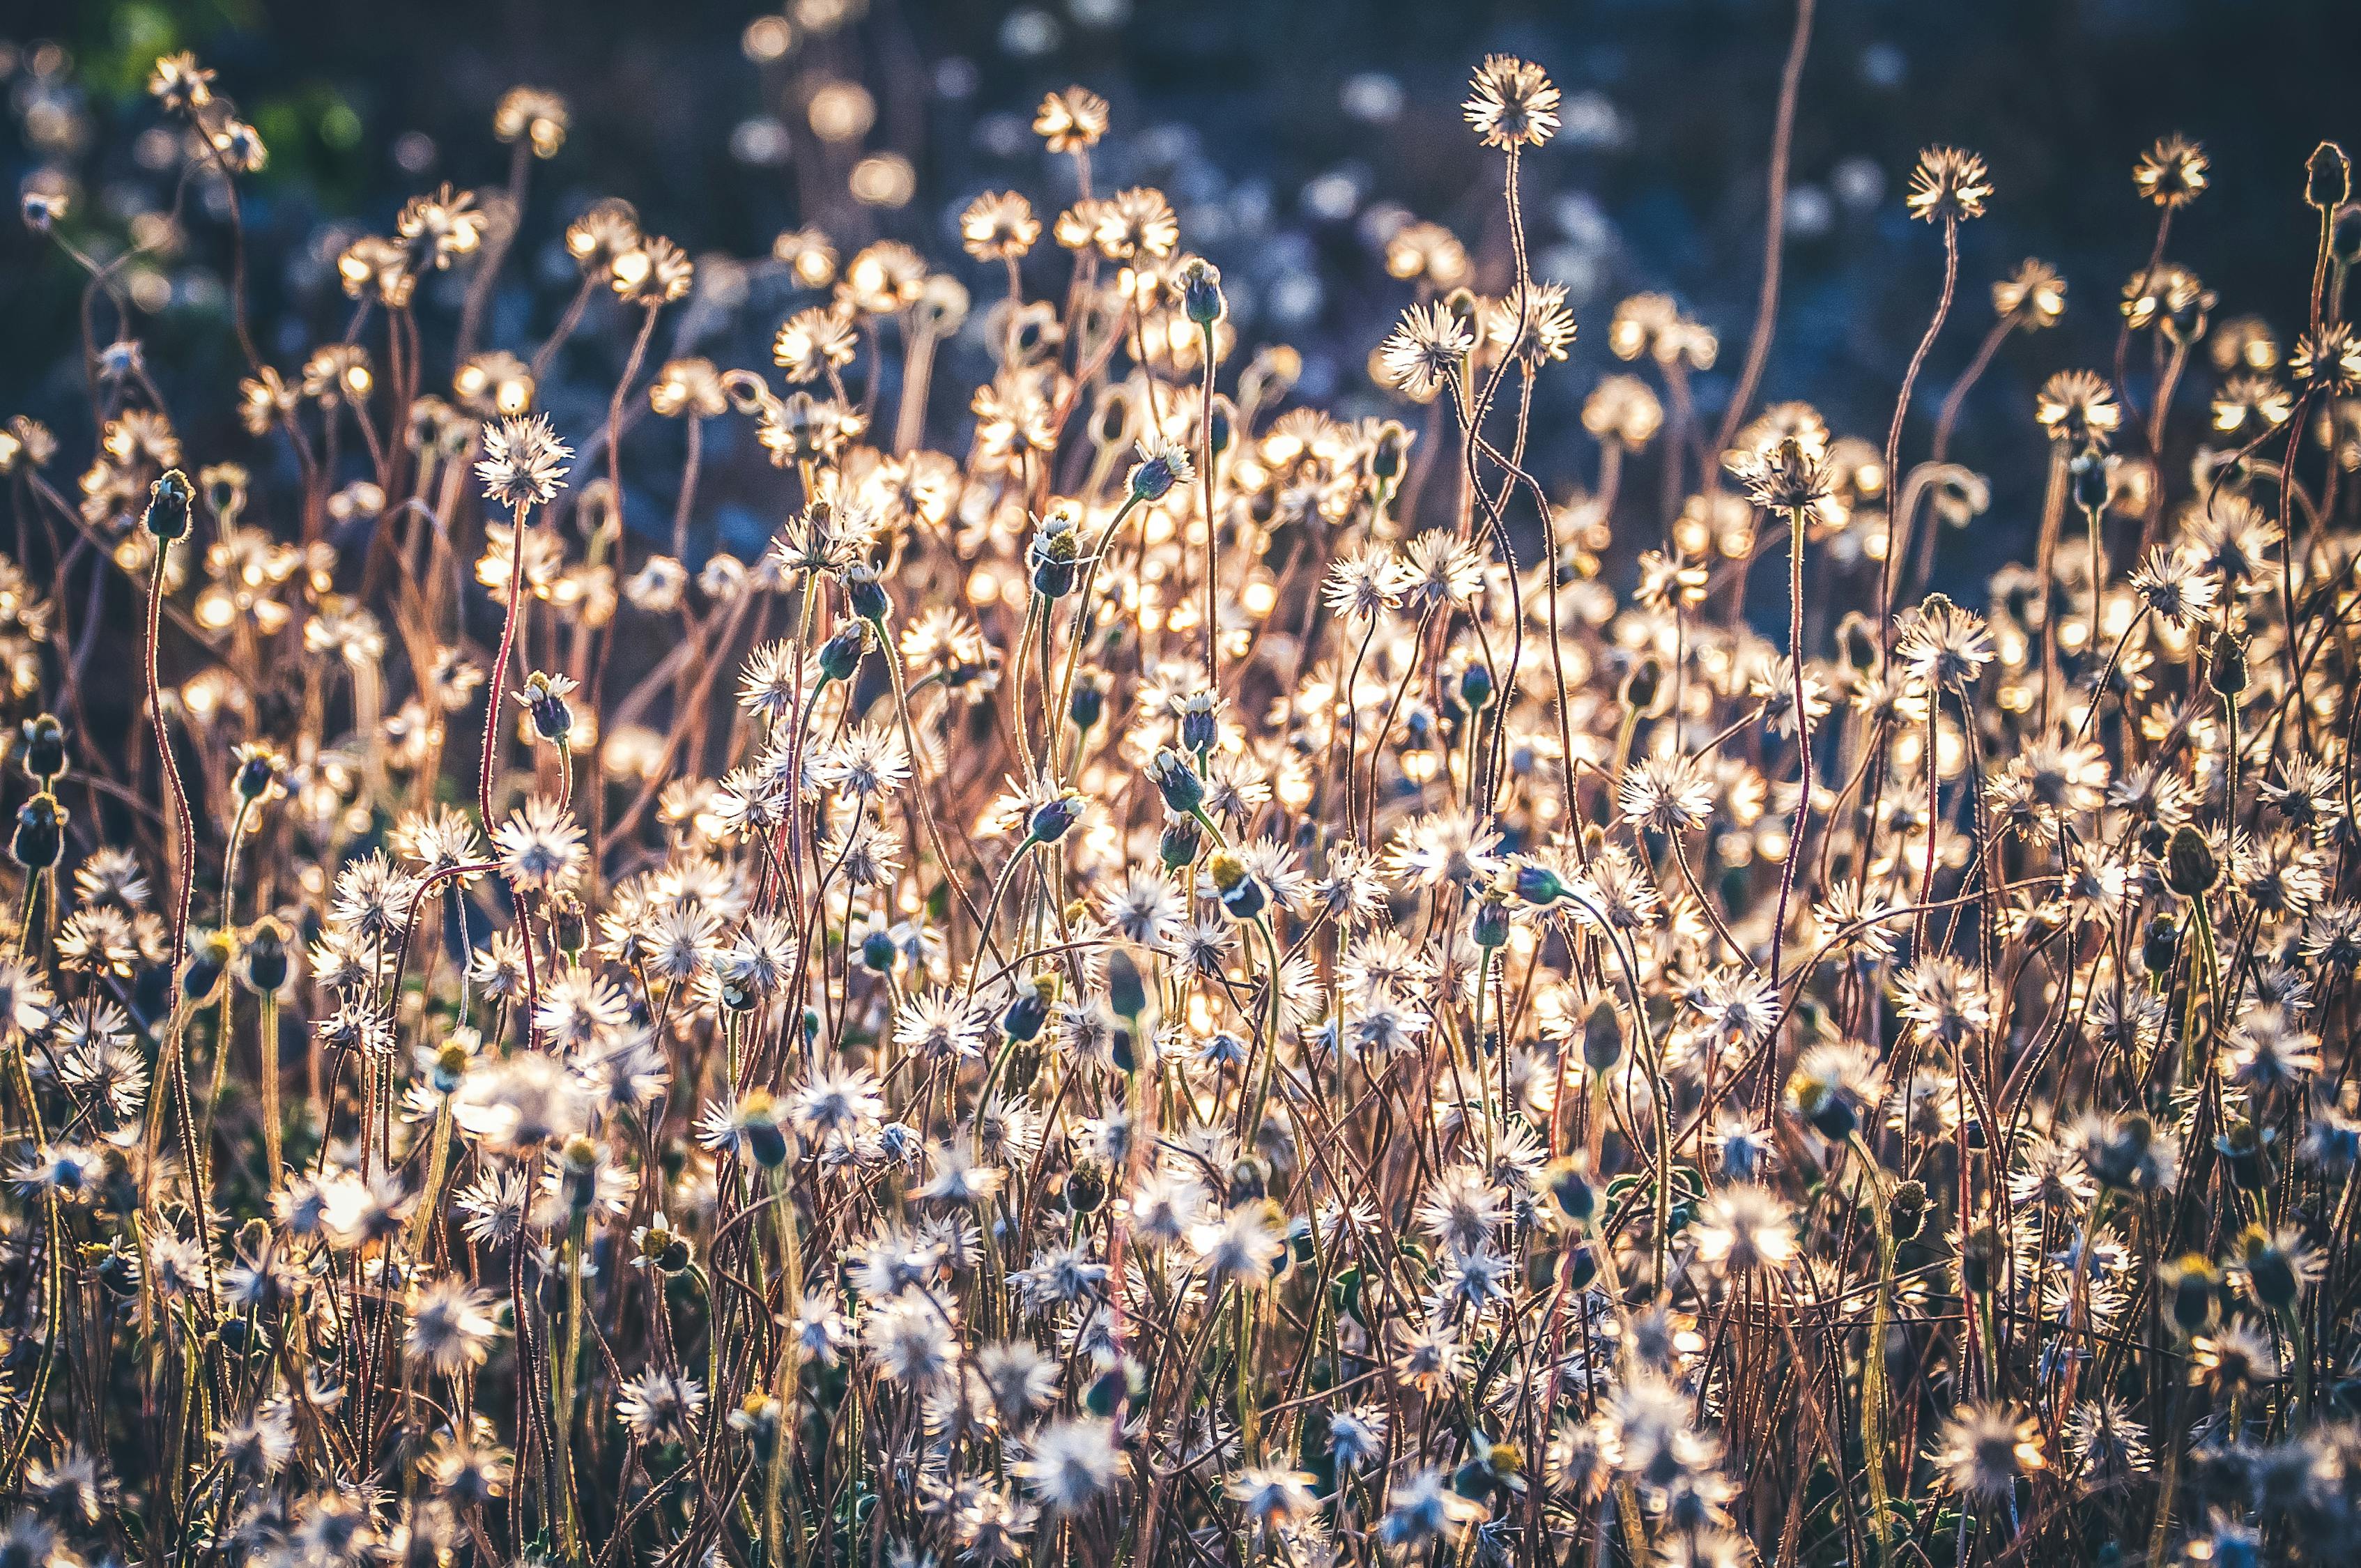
(443, 227)
(2032, 297)
(1512, 104)
(1426, 350)
(2077, 406)
(1071, 121)
(999, 227)
(533, 116)
(2328, 360)
(1948, 185)
(524, 462)
(1984, 1451)
(2172, 173)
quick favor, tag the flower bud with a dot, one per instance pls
(2328, 177)
(1201, 292)
(2226, 667)
(257, 773)
(1086, 1187)
(1089, 704)
(2245, 1148)
(1023, 1019)
(1538, 885)
(209, 960)
(1174, 779)
(1490, 928)
(1159, 470)
(1979, 1256)
(1570, 1189)
(1199, 726)
(1179, 843)
(167, 506)
(1053, 555)
(264, 964)
(1243, 897)
(1858, 638)
(544, 698)
(1126, 992)
(2088, 474)
(1906, 1209)
(45, 747)
(1642, 684)
(1474, 689)
(2271, 1270)
(2192, 1288)
(1602, 1037)
(2190, 869)
(1054, 818)
(569, 926)
(841, 655)
(866, 593)
(41, 836)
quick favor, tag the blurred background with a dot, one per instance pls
(1295, 139)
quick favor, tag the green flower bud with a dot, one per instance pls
(167, 506)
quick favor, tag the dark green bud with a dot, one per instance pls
(265, 957)
(1179, 843)
(1054, 819)
(866, 593)
(1474, 689)
(41, 836)
(2245, 1148)
(1126, 992)
(1201, 292)
(1053, 555)
(841, 655)
(1642, 684)
(1199, 726)
(2193, 1286)
(1089, 705)
(1858, 638)
(2271, 1270)
(2227, 667)
(45, 747)
(208, 960)
(1602, 1037)
(2087, 475)
(1538, 885)
(2328, 177)
(167, 506)
(569, 926)
(1979, 1256)
(2163, 942)
(1108, 1392)
(1906, 1209)
(1570, 1189)
(1174, 779)
(1491, 922)
(1086, 1188)
(1160, 468)
(257, 771)
(1026, 1016)
(2190, 869)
